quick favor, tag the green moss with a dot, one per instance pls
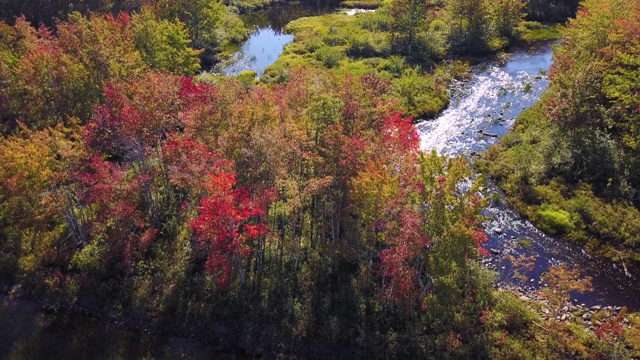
(532, 31)
(525, 243)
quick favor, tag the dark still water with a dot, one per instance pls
(489, 104)
(27, 332)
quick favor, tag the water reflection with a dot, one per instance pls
(261, 50)
(277, 17)
(267, 40)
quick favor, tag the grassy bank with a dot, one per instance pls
(357, 46)
(521, 165)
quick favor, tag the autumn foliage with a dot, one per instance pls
(305, 205)
(259, 177)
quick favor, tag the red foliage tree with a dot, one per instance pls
(228, 219)
(112, 197)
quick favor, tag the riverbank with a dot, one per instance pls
(583, 322)
(580, 181)
(498, 92)
(571, 211)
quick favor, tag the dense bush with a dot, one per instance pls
(46, 79)
(211, 25)
(553, 221)
(551, 10)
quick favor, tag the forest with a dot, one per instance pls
(298, 210)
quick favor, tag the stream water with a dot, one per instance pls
(481, 111)
(487, 104)
(266, 37)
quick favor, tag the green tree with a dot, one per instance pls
(407, 18)
(469, 25)
(164, 44)
(212, 25)
(507, 14)
(593, 96)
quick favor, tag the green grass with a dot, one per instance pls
(361, 4)
(532, 31)
(359, 45)
(521, 163)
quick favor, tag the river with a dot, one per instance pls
(266, 38)
(489, 104)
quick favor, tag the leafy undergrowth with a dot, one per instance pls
(520, 164)
(532, 31)
(361, 4)
(359, 45)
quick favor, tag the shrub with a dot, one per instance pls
(334, 38)
(374, 21)
(360, 47)
(420, 95)
(330, 57)
(313, 45)
(554, 221)
(247, 78)
(394, 65)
